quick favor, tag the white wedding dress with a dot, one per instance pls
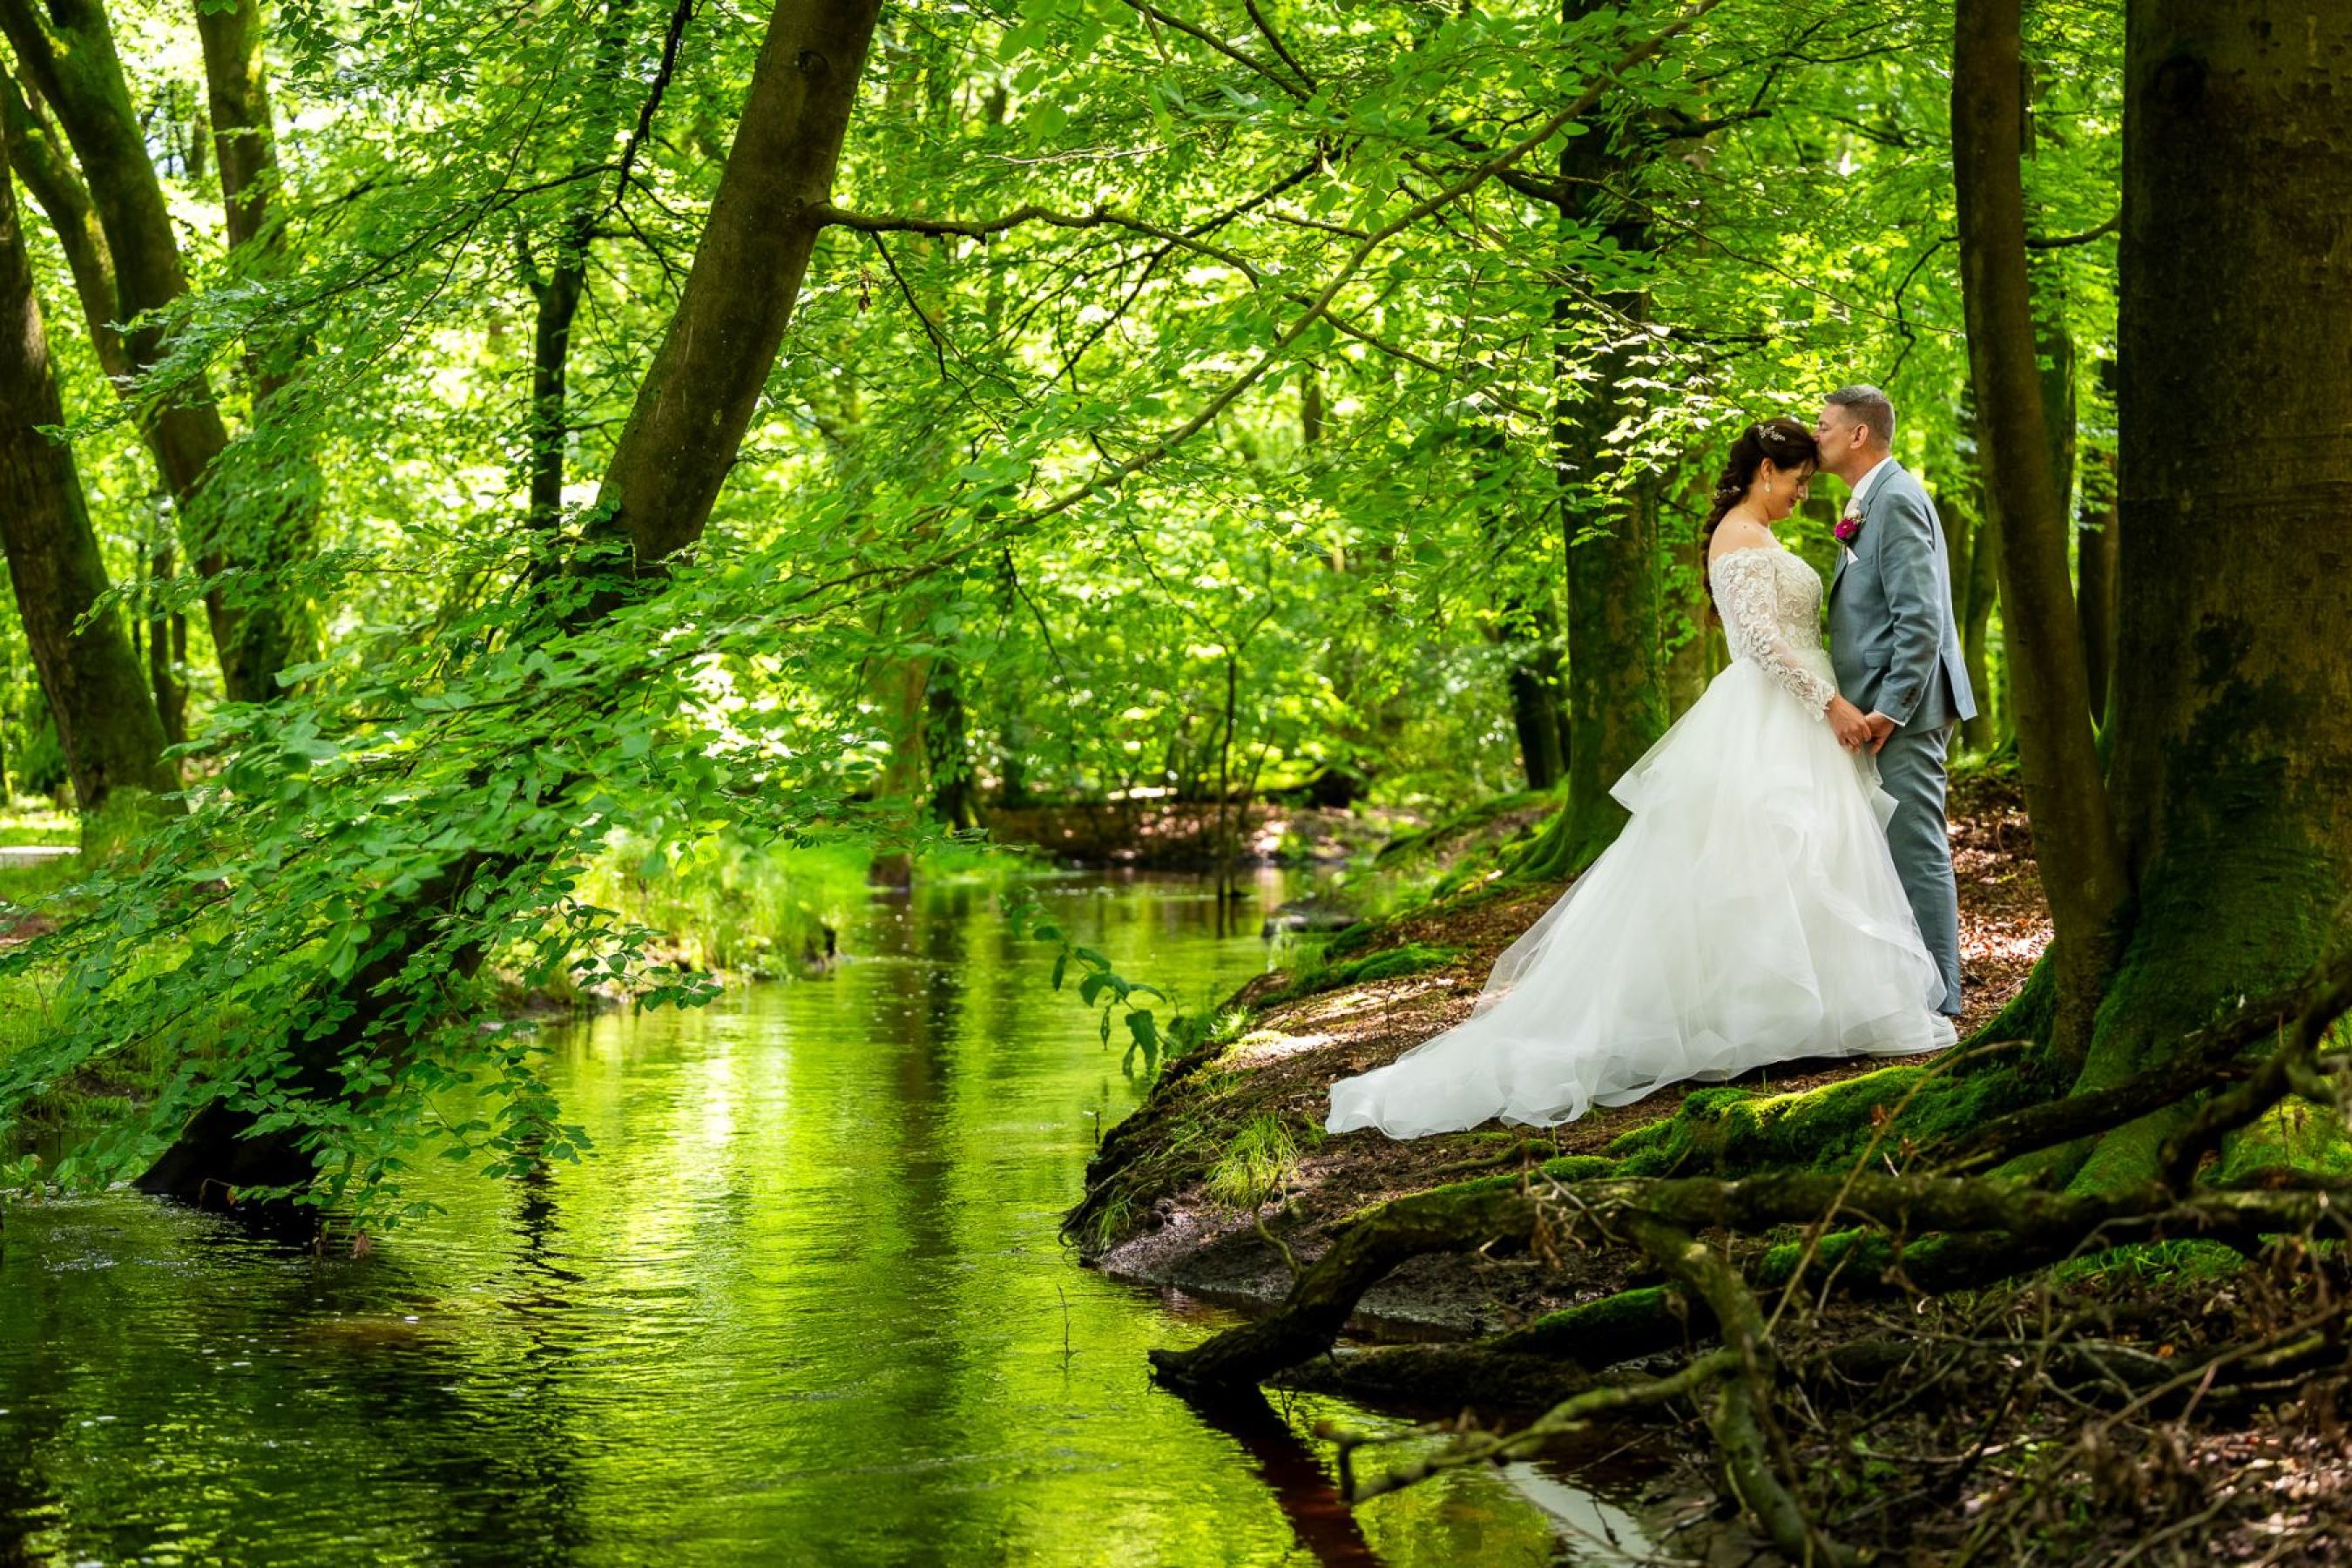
(1749, 913)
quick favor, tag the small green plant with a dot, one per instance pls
(1256, 1165)
(1149, 1042)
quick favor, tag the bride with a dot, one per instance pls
(1749, 913)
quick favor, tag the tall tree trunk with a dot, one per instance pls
(236, 92)
(167, 648)
(2074, 837)
(1616, 685)
(2053, 354)
(66, 50)
(38, 154)
(2233, 679)
(559, 292)
(690, 414)
(2098, 540)
(897, 686)
(947, 748)
(97, 693)
(697, 400)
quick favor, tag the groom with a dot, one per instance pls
(1897, 654)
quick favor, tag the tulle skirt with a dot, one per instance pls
(1748, 914)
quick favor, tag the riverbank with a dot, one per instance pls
(1166, 1199)
(1930, 1424)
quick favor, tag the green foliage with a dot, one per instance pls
(1148, 1039)
(1087, 509)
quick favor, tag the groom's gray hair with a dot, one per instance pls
(1870, 408)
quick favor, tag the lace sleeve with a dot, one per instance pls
(1750, 602)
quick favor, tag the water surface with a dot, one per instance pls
(805, 1304)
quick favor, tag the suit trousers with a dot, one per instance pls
(1911, 769)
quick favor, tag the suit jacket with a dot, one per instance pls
(1892, 637)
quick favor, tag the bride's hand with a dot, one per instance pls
(1847, 722)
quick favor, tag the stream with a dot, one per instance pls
(804, 1303)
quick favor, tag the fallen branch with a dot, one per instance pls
(1571, 1416)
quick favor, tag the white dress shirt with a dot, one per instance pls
(1862, 486)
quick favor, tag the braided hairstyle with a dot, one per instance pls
(1790, 445)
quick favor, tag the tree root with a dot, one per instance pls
(2202, 1060)
(1741, 1419)
(1576, 1413)
(1312, 1315)
(2003, 1228)
(2292, 1068)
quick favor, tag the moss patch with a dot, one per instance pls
(1734, 1131)
(1387, 963)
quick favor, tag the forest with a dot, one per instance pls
(717, 720)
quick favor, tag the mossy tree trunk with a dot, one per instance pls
(2233, 683)
(2075, 835)
(1616, 667)
(96, 689)
(38, 154)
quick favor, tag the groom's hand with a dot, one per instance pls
(1848, 725)
(1880, 728)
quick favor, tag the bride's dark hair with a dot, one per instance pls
(1785, 441)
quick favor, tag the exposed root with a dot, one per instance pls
(1971, 1230)
(1741, 1420)
(1576, 1413)
(2294, 1069)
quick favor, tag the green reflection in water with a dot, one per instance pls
(806, 1304)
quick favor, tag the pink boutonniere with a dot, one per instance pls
(1848, 529)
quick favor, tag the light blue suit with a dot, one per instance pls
(1897, 651)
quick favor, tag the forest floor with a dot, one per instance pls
(1224, 1181)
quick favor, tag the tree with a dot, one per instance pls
(692, 407)
(2081, 866)
(2230, 744)
(1616, 663)
(66, 54)
(96, 692)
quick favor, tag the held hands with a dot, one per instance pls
(1881, 729)
(1847, 722)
